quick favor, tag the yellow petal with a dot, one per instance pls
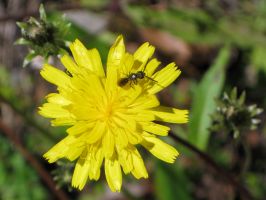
(96, 133)
(79, 98)
(89, 83)
(51, 110)
(160, 149)
(96, 86)
(154, 128)
(143, 53)
(96, 62)
(81, 172)
(171, 115)
(96, 163)
(75, 149)
(139, 169)
(108, 144)
(144, 116)
(113, 174)
(151, 67)
(55, 76)
(111, 82)
(121, 138)
(134, 137)
(127, 121)
(126, 65)
(74, 152)
(125, 159)
(63, 121)
(56, 98)
(114, 59)
(80, 127)
(164, 78)
(80, 84)
(145, 102)
(116, 53)
(84, 112)
(59, 150)
(129, 96)
(70, 64)
(81, 56)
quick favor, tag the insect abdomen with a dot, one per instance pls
(123, 82)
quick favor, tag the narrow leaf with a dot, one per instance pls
(242, 98)
(21, 25)
(204, 100)
(42, 12)
(29, 58)
(21, 41)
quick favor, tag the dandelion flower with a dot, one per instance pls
(107, 121)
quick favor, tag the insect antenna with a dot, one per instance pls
(151, 79)
(144, 68)
(154, 81)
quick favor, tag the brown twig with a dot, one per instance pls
(28, 119)
(33, 162)
(245, 194)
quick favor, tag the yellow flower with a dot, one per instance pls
(108, 120)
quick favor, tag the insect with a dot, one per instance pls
(68, 73)
(132, 78)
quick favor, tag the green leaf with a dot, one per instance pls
(34, 21)
(21, 41)
(203, 103)
(233, 94)
(258, 58)
(171, 183)
(29, 58)
(242, 98)
(22, 25)
(42, 13)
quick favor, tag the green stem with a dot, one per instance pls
(247, 158)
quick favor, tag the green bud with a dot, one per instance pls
(44, 38)
(233, 116)
(63, 174)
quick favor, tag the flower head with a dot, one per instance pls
(44, 37)
(234, 116)
(108, 120)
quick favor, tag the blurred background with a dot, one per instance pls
(218, 45)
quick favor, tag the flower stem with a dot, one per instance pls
(245, 194)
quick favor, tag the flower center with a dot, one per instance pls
(108, 108)
(108, 111)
